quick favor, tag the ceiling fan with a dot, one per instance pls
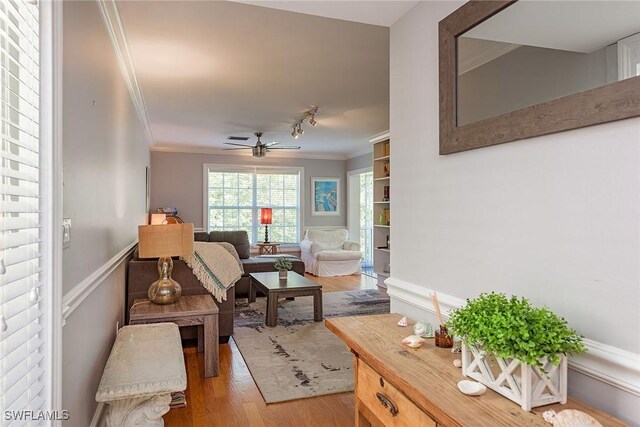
(260, 149)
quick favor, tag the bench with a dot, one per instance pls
(145, 366)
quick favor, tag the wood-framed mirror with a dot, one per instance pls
(511, 70)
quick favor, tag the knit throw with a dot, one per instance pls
(215, 266)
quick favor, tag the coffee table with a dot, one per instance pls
(294, 286)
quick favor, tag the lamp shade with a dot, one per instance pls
(168, 240)
(266, 215)
(158, 218)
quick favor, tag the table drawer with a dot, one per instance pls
(389, 405)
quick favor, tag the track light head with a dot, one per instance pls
(294, 133)
(312, 120)
(300, 130)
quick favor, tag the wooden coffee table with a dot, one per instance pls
(295, 286)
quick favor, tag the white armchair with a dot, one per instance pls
(329, 253)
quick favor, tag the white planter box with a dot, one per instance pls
(524, 384)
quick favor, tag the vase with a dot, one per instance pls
(529, 386)
(283, 274)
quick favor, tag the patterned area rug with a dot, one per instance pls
(301, 358)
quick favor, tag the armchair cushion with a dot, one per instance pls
(351, 245)
(338, 255)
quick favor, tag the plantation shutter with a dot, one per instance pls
(22, 350)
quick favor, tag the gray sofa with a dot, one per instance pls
(142, 272)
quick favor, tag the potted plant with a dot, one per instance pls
(283, 265)
(516, 349)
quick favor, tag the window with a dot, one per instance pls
(23, 353)
(234, 196)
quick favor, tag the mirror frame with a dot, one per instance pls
(614, 101)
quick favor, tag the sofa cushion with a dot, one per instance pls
(338, 255)
(201, 236)
(239, 239)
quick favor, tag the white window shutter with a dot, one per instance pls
(22, 350)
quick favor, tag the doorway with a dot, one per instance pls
(360, 218)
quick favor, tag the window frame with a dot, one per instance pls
(253, 170)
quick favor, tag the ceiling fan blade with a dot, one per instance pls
(238, 138)
(286, 147)
(239, 145)
(241, 148)
(271, 144)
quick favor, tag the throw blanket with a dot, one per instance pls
(216, 266)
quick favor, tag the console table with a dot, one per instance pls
(192, 310)
(400, 386)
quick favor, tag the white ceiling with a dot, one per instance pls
(210, 69)
(575, 25)
(383, 13)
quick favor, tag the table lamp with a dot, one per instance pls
(266, 216)
(163, 242)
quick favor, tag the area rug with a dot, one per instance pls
(301, 358)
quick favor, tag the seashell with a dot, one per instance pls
(403, 322)
(471, 388)
(413, 341)
(423, 329)
(570, 418)
(457, 363)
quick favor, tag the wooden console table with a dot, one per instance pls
(400, 386)
(193, 310)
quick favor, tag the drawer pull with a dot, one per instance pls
(384, 401)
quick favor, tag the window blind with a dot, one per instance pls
(22, 351)
(236, 194)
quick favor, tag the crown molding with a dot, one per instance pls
(380, 137)
(359, 153)
(246, 153)
(111, 18)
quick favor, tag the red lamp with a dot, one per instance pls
(266, 216)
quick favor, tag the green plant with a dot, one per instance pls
(513, 328)
(283, 264)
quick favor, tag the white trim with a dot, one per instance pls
(112, 22)
(360, 171)
(191, 149)
(359, 153)
(82, 290)
(611, 365)
(380, 137)
(96, 421)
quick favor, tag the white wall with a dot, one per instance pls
(105, 156)
(554, 218)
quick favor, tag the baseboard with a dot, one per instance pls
(611, 365)
(82, 290)
(96, 421)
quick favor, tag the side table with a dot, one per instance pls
(193, 310)
(268, 248)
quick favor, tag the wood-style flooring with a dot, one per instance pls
(232, 399)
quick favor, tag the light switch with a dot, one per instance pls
(66, 232)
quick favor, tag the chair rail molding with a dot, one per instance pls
(612, 365)
(82, 290)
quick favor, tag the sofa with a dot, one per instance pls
(330, 253)
(142, 272)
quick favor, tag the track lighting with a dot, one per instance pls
(297, 126)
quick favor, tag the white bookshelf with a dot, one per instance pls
(381, 206)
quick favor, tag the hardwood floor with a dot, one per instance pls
(232, 399)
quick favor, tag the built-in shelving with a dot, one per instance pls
(381, 206)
